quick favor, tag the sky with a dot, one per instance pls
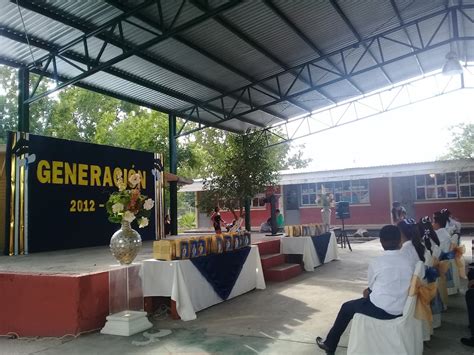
(415, 133)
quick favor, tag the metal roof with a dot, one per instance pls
(234, 64)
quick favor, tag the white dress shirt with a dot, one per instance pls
(389, 279)
(444, 240)
(409, 251)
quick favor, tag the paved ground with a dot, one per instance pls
(283, 319)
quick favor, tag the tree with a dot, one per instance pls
(39, 110)
(462, 143)
(243, 168)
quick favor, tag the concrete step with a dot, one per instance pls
(271, 260)
(271, 246)
(282, 272)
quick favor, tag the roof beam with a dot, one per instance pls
(71, 56)
(14, 64)
(64, 52)
(79, 24)
(356, 34)
(400, 20)
(309, 42)
(367, 42)
(348, 112)
(128, 53)
(205, 53)
(256, 46)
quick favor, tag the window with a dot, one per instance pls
(466, 184)
(308, 194)
(436, 186)
(354, 192)
(257, 201)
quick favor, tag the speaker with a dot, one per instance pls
(342, 210)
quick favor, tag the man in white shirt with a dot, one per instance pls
(389, 279)
(439, 224)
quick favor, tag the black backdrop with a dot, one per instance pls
(51, 224)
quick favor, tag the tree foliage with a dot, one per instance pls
(242, 168)
(462, 143)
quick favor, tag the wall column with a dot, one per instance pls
(173, 158)
(23, 93)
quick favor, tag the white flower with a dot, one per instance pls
(134, 179)
(149, 203)
(128, 216)
(117, 207)
(143, 222)
(122, 186)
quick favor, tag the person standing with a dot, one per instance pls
(280, 221)
(217, 220)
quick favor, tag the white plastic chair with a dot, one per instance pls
(402, 335)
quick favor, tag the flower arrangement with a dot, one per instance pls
(128, 204)
(326, 200)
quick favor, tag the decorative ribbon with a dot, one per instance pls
(424, 294)
(459, 258)
(442, 267)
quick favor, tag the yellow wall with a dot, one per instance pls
(2, 197)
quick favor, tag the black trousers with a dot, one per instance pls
(470, 308)
(346, 313)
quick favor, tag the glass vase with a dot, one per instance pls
(125, 244)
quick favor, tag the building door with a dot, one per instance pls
(291, 204)
(403, 189)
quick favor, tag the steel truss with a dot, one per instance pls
(112, 33)
(350, 62)
(368, 106)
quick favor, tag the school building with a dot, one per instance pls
(422, 188)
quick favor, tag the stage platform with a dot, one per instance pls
(61, 292)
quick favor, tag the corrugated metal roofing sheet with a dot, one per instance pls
(237, 58)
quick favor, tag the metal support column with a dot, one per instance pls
(173, 170)
(23, 93)
(247, 214)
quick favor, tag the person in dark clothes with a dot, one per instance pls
(389, 278)
(470, 308)
(217, 220)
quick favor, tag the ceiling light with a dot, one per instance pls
(452, 66)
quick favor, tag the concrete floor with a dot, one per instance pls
(283, 319)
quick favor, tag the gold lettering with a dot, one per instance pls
(107, 177)
(43, 172)
(82, 175)
(70, 175)
(58, 172)
(143, 179)
(95, 175)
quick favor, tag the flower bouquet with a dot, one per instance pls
(125, 206)
(128, 204)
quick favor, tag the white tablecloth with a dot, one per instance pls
(182, 281)
(305, 246)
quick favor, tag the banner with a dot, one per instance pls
(57, 190)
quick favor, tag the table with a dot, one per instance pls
(181, 280)
(305, 246)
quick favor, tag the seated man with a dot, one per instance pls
(389, 278)
(470, 308)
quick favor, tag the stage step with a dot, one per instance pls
(282, 272)
(266, 247)
(271, 260)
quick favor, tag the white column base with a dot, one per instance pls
(126, 323)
